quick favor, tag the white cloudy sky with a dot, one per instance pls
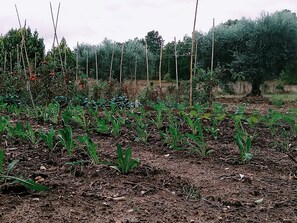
(90, 21)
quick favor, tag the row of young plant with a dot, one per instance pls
(178, 128)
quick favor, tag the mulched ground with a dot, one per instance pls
(168, 186)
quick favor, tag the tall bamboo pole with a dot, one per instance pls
(10, 62)
(212, 60)
(212, 49)
(176, 64)
(4, 67)
(147, 65)
(121, 66)
(76, 74)
(55, 24)
(87, 65)
(192, 50)
(160, 66)
(23, 47)
(111, 62)
(196, 56)
(96, 68)
(135, 76)
(18, 59)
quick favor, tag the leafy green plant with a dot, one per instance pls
(125, 163)
(244, 144)
(4, 123)
(79, 117)
(91, 147)
(67, 115)
(30, 133)
(140, 126)
(17, 131)
(116, 123)
(173, 137)
(5, 176)
(102, 126)
(48, 137)
(66, 139)
(159, 107)
(198, 141)
(53, 110)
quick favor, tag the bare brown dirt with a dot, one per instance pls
(168, 186)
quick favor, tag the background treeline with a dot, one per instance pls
(245, 49)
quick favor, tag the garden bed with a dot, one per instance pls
(169, 185)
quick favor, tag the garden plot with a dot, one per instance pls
(185, 165)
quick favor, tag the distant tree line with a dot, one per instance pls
(245, 49)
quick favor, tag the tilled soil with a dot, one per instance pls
(168, 186)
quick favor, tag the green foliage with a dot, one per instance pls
(66, 139)
(244, 144)
(91, 147)
(125, 163)
(79, 117)
(48, 137)
(102, 126)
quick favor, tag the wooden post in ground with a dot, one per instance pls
(76, 74)
(135, 77)
(212, 60)
(96, 68)
(111, 62)
(23, 46)
(191, 61)
(160, 66)
(176, 64)
(121, 65)
(18, 60)
(196, 56)
(4, 67)
(10, 63)
(147, 65)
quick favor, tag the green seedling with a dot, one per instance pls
(5, 176)
(173, 137)
(116, 124)
(244, 144)
(30, 134)
(125, 163)
(17, 131)
(4, 123)
(102, 126)
(90, 146)
(66, 139)
(79, 117)
(48, 138)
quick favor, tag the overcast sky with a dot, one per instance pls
(90, 21)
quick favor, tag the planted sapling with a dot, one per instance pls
(90, 146)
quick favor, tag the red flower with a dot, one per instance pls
(33, 77)
(52, 74)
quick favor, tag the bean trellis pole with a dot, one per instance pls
(96, 68)
(160, 66)
(111, 62)
(176, 65)
(147, 65)
(121, 65)
(192, 50)
(55, 25)
(23, 46)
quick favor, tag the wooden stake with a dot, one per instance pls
(55, 24)
(147, 65)
(23, 46)
(4, 68)
(160, 66)
(135, 76)
(76, 74)
(18, 59)
(176, 64)
(96, 68)
(191, 62)
(196, 56)
(87, 65)
(111, 62)
(121, 66)
(212, 50)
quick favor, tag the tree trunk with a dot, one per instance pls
(256, 91)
